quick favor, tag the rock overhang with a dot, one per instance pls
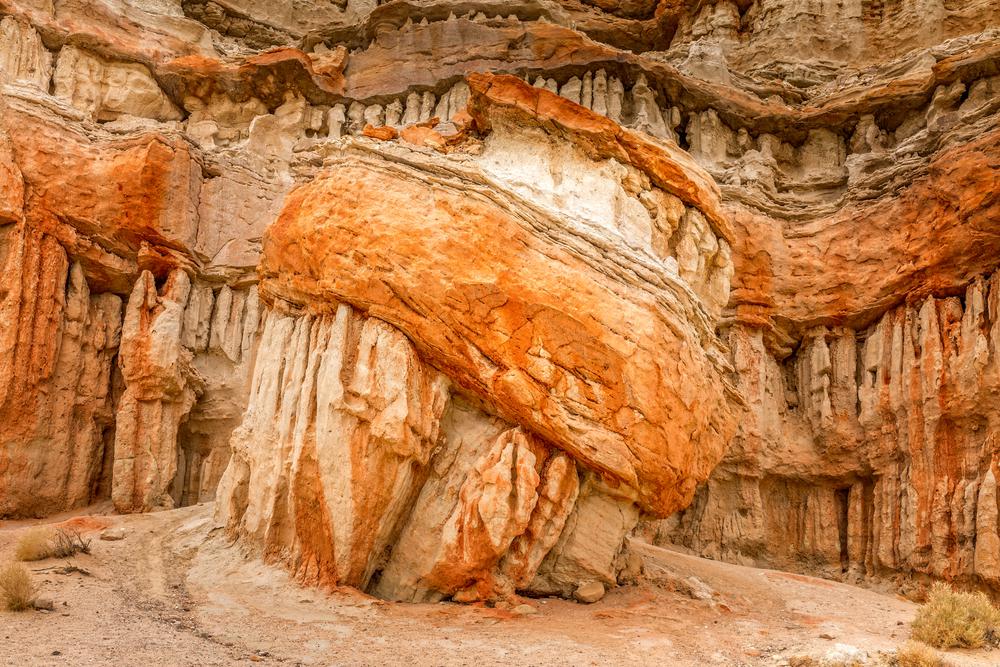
(567, 331)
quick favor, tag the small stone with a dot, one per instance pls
(56, 652)
(590, 592)
(697, 589)
(382, 133)
(113, 534)
(467, 595)
(524, 609)
(826, 636)
(44, 604)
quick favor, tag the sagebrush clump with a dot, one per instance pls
(954, 619)
(36, 544)
(42, 543)
(809, 661)
(915, 654)
(17, 591)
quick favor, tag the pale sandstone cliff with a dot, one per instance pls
(447, 334)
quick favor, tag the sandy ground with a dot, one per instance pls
(174, 593)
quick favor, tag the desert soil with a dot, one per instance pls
(173, 592)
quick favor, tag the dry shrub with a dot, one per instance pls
(41, 543)
(953, 619)
(809, 661)
(914, 654)
(69, 542)
(36, 544)
(802, 661)
(16, 588)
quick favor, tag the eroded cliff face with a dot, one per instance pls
(406, 286)
(444, 299)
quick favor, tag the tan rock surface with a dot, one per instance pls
(341, 422)
(160, 388)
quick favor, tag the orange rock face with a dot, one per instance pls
(936, 234)
(81, 218)
(83, 214)
(591, 365)
(567, 324)
(103, 199)
(56, 351)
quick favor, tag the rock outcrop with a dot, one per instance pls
(59, 342)
(887, 460)
(417, 285)
(445, 300)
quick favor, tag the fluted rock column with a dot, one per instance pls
(57, 343)
(160, 387)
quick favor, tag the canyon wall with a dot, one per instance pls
(887, 460)
(445, 299)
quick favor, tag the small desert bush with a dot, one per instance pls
(41, 543)
(17, 592)
(36, 544)
(69, 543)
(953, 619)
(915, 654)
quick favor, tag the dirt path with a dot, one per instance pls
(173, 593)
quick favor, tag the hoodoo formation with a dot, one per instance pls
(449, 299)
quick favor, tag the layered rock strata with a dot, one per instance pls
(529, 315)
(429, 282)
